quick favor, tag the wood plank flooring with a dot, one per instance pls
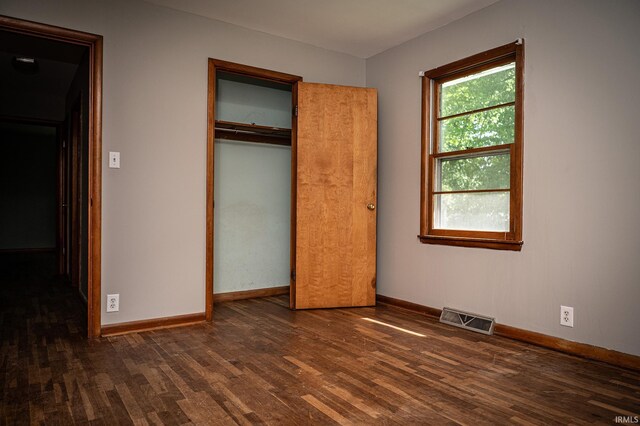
(260, 363)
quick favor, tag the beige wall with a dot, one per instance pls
(155, 87)
(581, 173)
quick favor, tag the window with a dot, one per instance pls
(471, 188)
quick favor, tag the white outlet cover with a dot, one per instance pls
(113, 302)
(566, 316)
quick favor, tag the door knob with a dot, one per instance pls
(371, 206)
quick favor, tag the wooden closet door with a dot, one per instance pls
(336, 189)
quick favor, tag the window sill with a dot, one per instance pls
(472, 242)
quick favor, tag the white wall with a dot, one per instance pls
(154, 100)
(581, 173)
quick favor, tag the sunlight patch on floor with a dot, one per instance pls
(413, 333)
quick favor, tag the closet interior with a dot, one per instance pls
(252, 183)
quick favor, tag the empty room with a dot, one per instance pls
(331, 212)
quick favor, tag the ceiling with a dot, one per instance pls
(360, 28)
(57, 65)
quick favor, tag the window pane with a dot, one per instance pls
(464, 174)
(477, 211)
(491, 87)
(487, 128)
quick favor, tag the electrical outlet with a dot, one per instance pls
(566, 316)
(113, 302)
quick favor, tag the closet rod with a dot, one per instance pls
(252, 133)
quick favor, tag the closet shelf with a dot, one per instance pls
(252, 133)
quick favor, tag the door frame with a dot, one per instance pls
(216, 65)
(73, 172)
(94, 234)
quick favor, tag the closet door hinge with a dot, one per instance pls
(293, 274)
(64, 143)
(295, 111)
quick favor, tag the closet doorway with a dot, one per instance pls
(291, 189)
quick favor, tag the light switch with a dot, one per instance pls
(114, 160)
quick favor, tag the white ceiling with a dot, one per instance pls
(361, 28)
(57, 63)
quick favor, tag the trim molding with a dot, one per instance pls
(250, 294)
(152, 324)
(583, 350)
(188, 319)
(472, 242)
(432, 312)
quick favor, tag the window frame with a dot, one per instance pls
(509, 240)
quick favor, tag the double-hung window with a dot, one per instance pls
(471, 191)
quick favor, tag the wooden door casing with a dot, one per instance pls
(75, 202)
(216, 65)
(63, 195)
(336, 150)
(94, 117)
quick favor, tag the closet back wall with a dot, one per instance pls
(155, 114)
(252, 190)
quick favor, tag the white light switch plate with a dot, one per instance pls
(114, 160)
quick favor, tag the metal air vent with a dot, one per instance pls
(466, 320)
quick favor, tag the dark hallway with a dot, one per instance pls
(40, 316)
(43, 188)
(36, 305)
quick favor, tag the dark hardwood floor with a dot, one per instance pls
(259, 363)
